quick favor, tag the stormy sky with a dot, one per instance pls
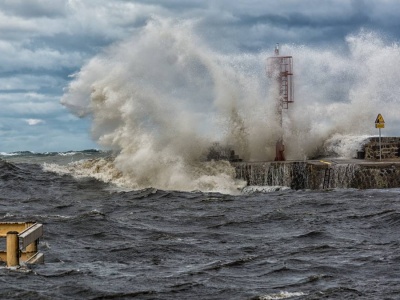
(44, 42)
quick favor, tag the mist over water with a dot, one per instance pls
(161, 98)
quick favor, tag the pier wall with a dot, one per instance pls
(390, 148)
(319, 175)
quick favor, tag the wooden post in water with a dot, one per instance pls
(12, 249)
(31, 249)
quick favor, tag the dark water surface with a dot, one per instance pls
(153, 244)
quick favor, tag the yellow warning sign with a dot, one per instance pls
(379, 119)
(379, 122)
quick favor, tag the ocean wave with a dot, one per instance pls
(251, 189)
(208, 176)
(16, 153)
(281, 295)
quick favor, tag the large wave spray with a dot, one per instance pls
(340, 93)
(162, 97)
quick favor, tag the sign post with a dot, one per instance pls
(380, 123)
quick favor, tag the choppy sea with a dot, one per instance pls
(103, 243)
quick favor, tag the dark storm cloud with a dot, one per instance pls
(254, 25)
(301, 20)
(304, 22)
(300, 28)
(177, 5)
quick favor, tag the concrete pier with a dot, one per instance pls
(377, 166)
(322, 174)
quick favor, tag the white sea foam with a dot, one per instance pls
(161, 98)
(67, 153)
(212, 176)
(344, 146)
(263, 189)
(281, 295)
(8, 154)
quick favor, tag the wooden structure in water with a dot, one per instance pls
(22, 240)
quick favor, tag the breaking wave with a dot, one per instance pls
(161, 98)
(212, 176)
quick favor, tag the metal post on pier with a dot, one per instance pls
(380, 123)
(380, 145)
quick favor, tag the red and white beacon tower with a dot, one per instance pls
(280, 68)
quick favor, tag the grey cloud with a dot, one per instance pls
(34, 8)
(178, 5)
(28, 107)
(259, 26)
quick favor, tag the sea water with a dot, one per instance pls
(102, 241)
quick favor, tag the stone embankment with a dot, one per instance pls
(375, 168)
(360, 174)
(390, 148)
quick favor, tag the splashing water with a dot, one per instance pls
(161, 98)
(340, 94)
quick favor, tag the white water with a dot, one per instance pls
(162, 97)
(263, 189)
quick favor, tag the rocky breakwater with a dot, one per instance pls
(359, 174)
(390, 148)
(377, 175)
